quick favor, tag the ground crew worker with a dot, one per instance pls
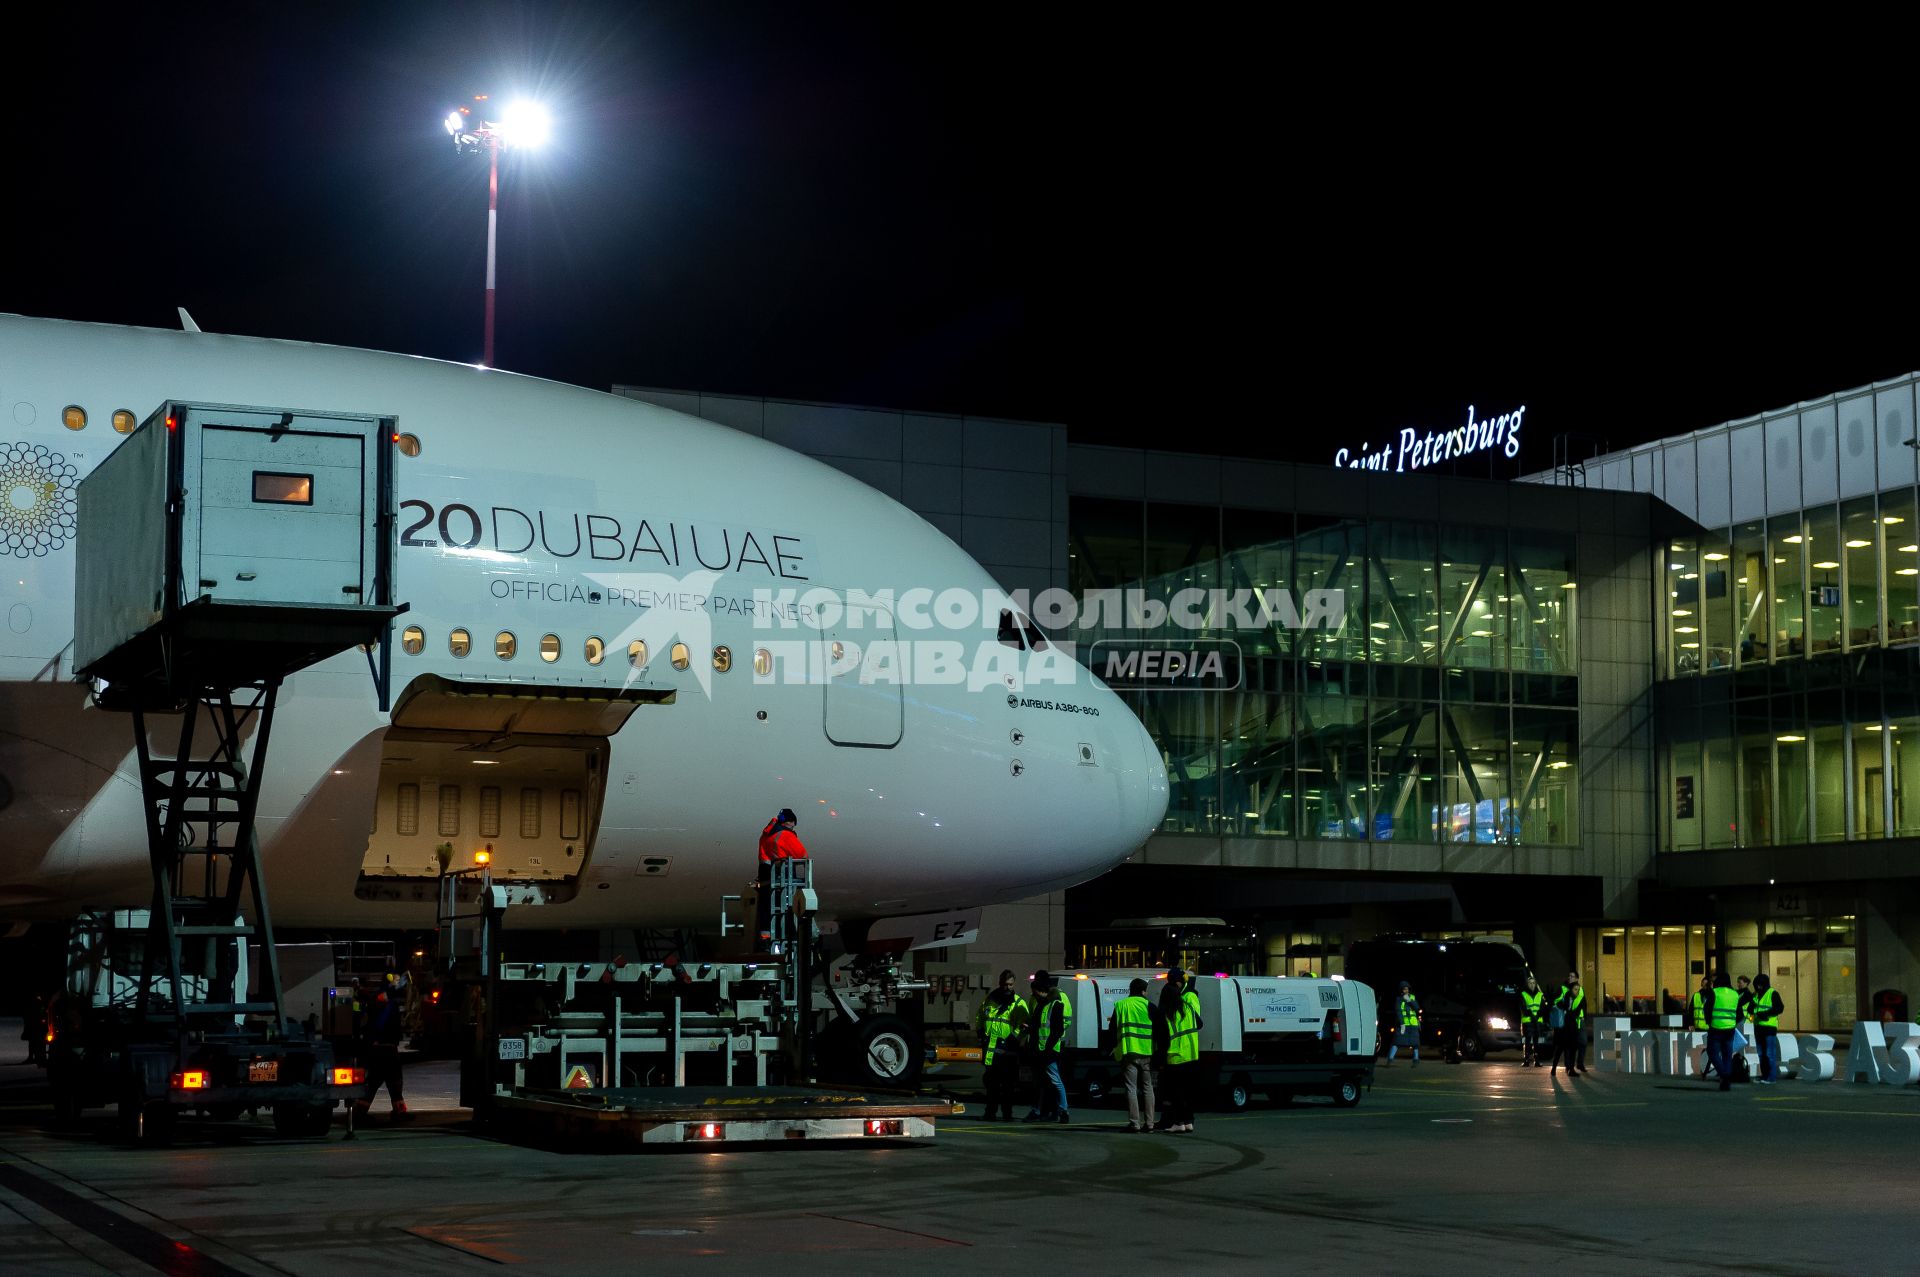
(1743, 987)
(1133, 1018)
(1052, 1014)
(1702, 1007)
(1188, 994)
(1406, 1013)
(380, 1033)
(777, 842)
(1766, 1026)
(1533, 1018)
(1182, 1017)
(1570, 1039)
(1725, 1017)
(35, 1030)
(1000, 1021)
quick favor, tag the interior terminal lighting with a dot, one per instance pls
(1858, 544)
(1715, 557)
(1794, 540)
(1909, 549)
(1891, 518)
(1826, 566)
(1906, 571)
(1789, 739)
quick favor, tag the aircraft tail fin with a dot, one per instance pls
(186, 321)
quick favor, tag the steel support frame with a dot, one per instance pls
(230, 792)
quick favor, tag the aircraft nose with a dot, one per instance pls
(1140, 770)
(1145, 793)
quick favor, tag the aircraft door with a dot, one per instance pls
(282, 515)
(863, 670)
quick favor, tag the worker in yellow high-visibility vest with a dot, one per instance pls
(1700, 1005)
(1726, 1017)
(1050, 1026)
(1001, 1019)
(1766, 1009)
(1133, 1018)
(1533, 1018)
(1179, 1077)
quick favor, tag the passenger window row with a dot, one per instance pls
(506, 646)
(74, 417)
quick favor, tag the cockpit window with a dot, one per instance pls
(1018, 630)
(1009, 632)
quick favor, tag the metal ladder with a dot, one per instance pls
(206, 863)
(786, 879)
(459, 889)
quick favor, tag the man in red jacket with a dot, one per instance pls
(777, 842)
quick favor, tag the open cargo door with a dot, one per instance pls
(516, 770)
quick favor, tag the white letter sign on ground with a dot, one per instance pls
(1884, 1053)
(1891, 1052)
(1607, 1032)
(1816, 1057)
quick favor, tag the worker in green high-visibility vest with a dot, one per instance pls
(1133, 1024)
(1725, 1012)
(1000, 1022)
(1766, 1009)
(1533, 1018)
(1180, 1010)
(1048, 1030)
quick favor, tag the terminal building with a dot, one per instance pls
(1644, 715)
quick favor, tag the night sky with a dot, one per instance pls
(1160, 227)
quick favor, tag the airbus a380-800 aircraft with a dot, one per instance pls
(547, 535)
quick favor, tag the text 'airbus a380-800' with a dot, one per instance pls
(559, 549)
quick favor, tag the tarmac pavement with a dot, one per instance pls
(1485, 1166)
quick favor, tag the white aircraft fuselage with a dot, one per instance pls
(556, 515)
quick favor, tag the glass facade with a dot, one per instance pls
(1644, 970)
(1789, 648)
(1814, 583)
(1443, 710)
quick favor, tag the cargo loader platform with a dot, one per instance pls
(605, 1056)
(221, 550)
(626, 1118)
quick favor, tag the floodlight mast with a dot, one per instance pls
(523, 124)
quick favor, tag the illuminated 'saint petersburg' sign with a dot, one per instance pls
(1415, 449)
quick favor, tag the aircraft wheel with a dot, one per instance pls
(885, 1051)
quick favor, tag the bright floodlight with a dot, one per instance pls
(454, 122)
(525, 123)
